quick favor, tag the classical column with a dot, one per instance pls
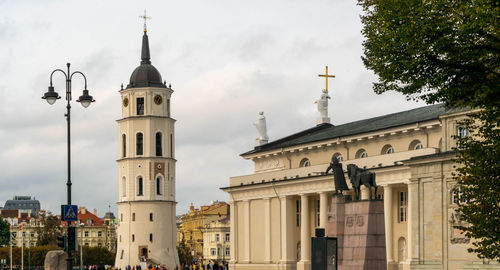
(388, 222)
(246, 217)
(412, 222)
(323, 209)
(365, 193)
(305, 230)
(233, 231)
(267, 230)
(286, 242)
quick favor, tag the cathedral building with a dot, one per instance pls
(275, 210)
(146, 170)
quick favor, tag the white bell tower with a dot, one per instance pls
(146, 232)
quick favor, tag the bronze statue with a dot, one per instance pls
(360, 177)
(338, 175)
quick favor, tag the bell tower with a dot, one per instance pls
(146, 170)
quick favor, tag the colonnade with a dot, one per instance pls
(287, 224)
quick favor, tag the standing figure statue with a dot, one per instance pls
(360, 177)
(261, 126)
(338, 175)
(323, 104)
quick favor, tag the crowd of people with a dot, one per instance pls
(211, 265)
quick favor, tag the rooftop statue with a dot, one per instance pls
(338, 175)
(323, 104)
(261, 127)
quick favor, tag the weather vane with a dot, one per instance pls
(145, 18)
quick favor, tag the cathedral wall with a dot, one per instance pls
(241, 231)
(257, 231)
(275, 230)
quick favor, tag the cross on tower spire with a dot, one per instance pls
(326, 77)
(145, 18)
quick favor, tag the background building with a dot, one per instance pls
(194, 223)
(217, 241)
(23, 203)
(94, 231)
(275, 210)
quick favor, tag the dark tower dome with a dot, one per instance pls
(145, 75)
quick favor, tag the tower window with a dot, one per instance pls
(158, 144)
(133, 238)
(124, 145)
(171, 145)
(140, 106)
(133, 216)
(151, 237)
(124, 187)
(150, 216)
(139, 144)
(168, 107)
(139, 186)
(158, 185)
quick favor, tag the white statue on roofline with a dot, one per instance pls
(261, 126)
(322, 104)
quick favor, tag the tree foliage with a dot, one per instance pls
(438, 51)
(50, 229)
(478, 176)
(448, 51)
(4, 232)
(184, 252)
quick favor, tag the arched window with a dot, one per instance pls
(305, 163)
(133, 238)
(150, 216)
(139, 144)
(361, 153)
(151, 237)
(124, 145)
(387, 149)
(124, 187)
(133, 216)
(158, 144)
(415, 145)
(339, 156)
(140, 188)
(158, 185)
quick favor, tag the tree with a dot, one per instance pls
(438, 51)
(50, 229)
(184, 253)
(448, 51)
(4, 232)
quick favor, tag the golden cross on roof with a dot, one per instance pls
(326, 77)
(145, 18)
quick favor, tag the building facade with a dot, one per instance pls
(275, 210)
(194, 223)
(146, 168)
(93, 231)
(217, 241)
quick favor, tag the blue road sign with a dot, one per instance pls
(70, 212)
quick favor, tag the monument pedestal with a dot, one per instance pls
(360, 230)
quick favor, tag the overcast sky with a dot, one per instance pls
(226, 61)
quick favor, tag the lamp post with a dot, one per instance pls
(51, 96)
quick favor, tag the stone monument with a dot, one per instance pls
(359, 227)
(261, 127)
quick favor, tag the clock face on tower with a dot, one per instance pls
(158, 99)
(125, 102)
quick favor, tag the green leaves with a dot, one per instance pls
(448, 51)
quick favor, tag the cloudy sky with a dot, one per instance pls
(226, 60)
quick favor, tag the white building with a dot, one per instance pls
(146, 168)
(217, 241)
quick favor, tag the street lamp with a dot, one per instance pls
(51, 96)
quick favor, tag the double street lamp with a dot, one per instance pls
(51, 96)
